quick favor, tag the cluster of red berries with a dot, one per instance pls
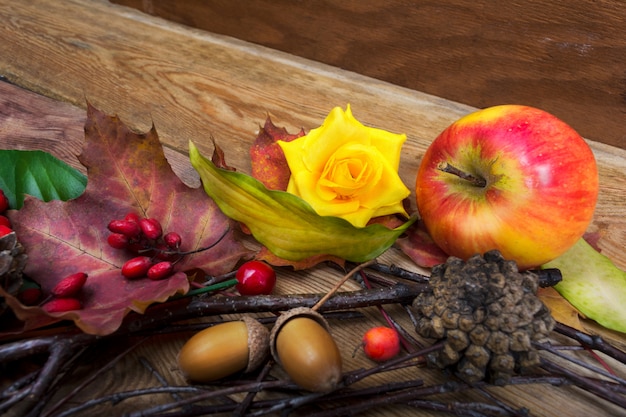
(155, 256)
(5, 224)
(156, 252)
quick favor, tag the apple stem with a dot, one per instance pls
(450, 169)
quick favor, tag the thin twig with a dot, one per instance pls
(339, 283)
(242, 407)
(593, 342)
(59, 353)
(398, 272)
(91, 378)
(252, 387)
(121, 396)
(585, 383)
(547, 347)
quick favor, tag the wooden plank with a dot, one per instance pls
(565, 57)
(29, 121)
(32, 122)
(192, 85)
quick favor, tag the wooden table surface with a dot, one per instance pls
(192, 85)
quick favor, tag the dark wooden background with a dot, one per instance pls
(566, 57)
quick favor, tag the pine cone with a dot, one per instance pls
(12, 262)
(488, 314)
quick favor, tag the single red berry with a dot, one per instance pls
(132, 217)
(136, 267)
(255, 277)
(61, 305)
(4, 230)
(151, 228)
(70, 285)
(30, 296)
(4, 202)
(160, 270)
(4, 221)
(118, 241)
(124, 227)
(381, 343)
(172, 240)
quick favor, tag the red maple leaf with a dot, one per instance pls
(127, 171)
(268, 160)
(420, 247)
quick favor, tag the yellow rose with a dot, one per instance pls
(347, 170)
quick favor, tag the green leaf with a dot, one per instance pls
(593, 284)
(286, 224)
(38, 174)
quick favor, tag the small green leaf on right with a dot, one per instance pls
(593, 284)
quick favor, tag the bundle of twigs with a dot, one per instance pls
(58, 356)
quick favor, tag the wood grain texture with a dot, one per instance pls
(28, 121)
(566, 57)
(192, 85)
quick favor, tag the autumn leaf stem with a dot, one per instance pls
(191, 252)
(210, 288)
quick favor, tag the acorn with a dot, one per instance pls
(301, 343)
(224, 349)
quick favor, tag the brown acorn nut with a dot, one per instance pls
(301, 343)
(224, 349)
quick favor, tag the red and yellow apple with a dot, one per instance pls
(511, 177)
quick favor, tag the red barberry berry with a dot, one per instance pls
(136, 267)
(30, 296)
(381, 343)
(118, 241)
(255, 277)
(4, 221)
(132, 217)
(70, 285)
(124, 227)
(4, 202)
(4, 230)
(160, 270)
(151, 228)
(61, 305)
(172, 240)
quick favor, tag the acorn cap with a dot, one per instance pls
(291, 314)
(258, 343)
